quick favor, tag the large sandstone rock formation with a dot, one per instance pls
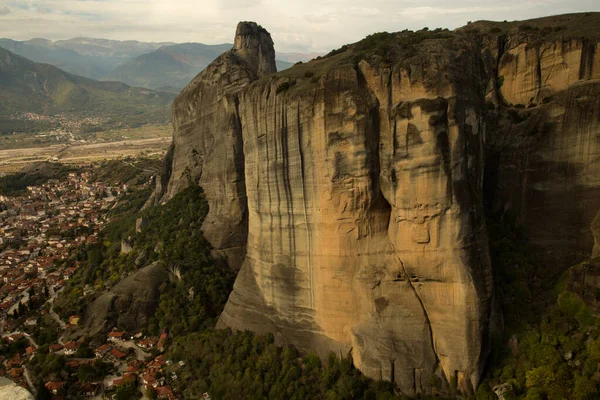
(365, 231)
(350, 190)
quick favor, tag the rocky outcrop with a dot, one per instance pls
(351, 189)
(207, 141)
(543, 160)
(10, 390)
(129, 304)
(126, 247)
(530, 69)
(254, 45)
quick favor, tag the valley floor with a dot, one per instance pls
(20, 150)
(13, 160)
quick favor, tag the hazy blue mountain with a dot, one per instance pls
(165, 66)
(121, 49)
(26, 86)
(92, 58)
(281, 65)
(170, 66)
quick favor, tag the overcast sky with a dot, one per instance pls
(296, 25)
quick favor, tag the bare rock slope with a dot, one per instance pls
(129, 304)
(350, 190)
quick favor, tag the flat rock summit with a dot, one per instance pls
(350, 191)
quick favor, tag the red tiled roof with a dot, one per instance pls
(161, 341)
(71, 345)
(117, 354)
(165, 392)
(16, 372)
(55, 347)
(104, 347)
(54, 386)
(133, 368)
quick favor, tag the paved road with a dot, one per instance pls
(55, 316)
(33, 343)
(28, 378)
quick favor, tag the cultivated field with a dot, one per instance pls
(147, 141)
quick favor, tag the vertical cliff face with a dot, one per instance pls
(365, 230)
(543, 159)
(207, 140)
(351, 189)
(543, 165)
(532, 70)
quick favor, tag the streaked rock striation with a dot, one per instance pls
(350, 190)
(365, 234)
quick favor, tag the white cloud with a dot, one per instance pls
(308, 25)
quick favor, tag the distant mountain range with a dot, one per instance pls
(166, 66)
(29, 87)
(92, 58)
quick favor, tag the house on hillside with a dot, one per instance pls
(165, 392)
(147, 343)
(90, 389)
(119, 355)
(16, 373)
(102, 350)
(54, 386)
(55, 347)
(162, 342)
(71, 347)
(115, 335)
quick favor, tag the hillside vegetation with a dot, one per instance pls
(28, 87)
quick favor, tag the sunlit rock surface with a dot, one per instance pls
(349, 191)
